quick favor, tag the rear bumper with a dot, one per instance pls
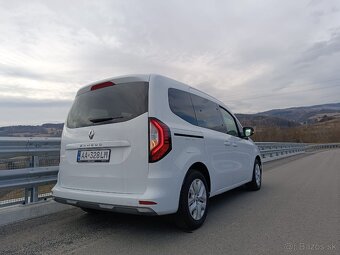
(107, 207)
(162, 194)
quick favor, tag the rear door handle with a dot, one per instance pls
(234, 144)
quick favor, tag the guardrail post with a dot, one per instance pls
(27, 195)
(34, 161)
(34, 197)
(31, 195)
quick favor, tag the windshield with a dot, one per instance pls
(117, 103)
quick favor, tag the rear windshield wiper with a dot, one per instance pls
(105, 119)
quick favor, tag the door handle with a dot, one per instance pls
(227, 143)
(234, 144)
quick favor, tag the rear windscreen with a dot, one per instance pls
(117, 103)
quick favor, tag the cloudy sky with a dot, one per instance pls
(253, 55)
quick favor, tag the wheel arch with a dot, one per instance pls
(259, 159)
(202, 168)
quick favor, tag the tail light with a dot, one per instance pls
(159, 139)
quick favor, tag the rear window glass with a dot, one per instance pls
(117, 103)
(208, 114)
(180, 104)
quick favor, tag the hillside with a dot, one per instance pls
(306, 114)
(257, 120)
(45, 130)
(311, 124)
(318, 123)
(321, 132)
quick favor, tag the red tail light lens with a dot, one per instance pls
(102, 85)
(159, 139)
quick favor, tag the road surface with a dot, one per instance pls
(295, 212)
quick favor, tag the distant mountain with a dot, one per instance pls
(257, 120)
(45, 130)
(306, 114)
(311, 124)
(278, 118)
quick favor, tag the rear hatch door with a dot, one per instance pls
(105, 139)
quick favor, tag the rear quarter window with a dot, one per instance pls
(181, 105)
(208, 114)
(117, 103)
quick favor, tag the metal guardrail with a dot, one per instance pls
(28, 178)
(34, 146)
(324, 146)
(37, 148)
(272, 151)
(27, 163)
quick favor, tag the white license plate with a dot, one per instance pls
(93, 155)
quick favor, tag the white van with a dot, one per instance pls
(147, 144)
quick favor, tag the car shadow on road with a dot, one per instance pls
(159, 224)
(74, 228)
(109, 220)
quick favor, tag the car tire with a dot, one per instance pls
(193, 202)
(256, 182)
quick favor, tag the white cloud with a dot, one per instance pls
(251, 54)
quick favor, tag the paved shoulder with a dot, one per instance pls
(295, 212)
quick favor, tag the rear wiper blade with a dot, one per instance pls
(105, 119)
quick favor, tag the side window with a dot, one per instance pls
(230, 123)
(180, 104)
(207, 113)
(240, 128)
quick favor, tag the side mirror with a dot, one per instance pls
(248, 131)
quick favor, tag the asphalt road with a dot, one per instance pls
(295, 212)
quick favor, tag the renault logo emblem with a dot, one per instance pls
(91, 134)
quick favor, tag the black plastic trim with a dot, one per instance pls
(187, 135)
(116, 208)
